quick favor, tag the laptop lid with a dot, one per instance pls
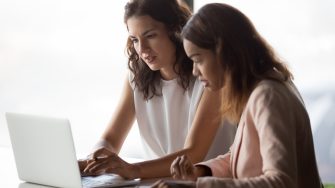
(44, 150)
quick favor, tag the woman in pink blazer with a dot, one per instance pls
(273, 146)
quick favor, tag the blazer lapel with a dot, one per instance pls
(237, 144)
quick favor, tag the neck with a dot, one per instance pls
(168, 73)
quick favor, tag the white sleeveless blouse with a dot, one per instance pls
(164, 121)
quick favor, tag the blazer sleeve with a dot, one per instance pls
(272, 112)
(220, 166)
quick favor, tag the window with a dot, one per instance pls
(63, 58)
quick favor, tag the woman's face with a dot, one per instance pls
(152, 42)
(206, 65)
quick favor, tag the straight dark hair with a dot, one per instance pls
(174, 16)
(244, 55)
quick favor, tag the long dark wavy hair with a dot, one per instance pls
(245, 56)
(174, 16)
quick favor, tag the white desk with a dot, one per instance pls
(8, 173)
(9, 177)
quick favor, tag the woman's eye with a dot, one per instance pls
(151, 35)
(133, 40)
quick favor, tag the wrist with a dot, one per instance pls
(99, 145)
(103, 143)
(135, 171)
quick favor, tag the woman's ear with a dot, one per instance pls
(174, 36)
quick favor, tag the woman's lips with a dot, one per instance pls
(150, 59)
(205, 82)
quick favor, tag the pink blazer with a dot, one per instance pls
(273, 146)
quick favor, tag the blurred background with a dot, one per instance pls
(66, 58)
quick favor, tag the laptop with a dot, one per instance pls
(45, 154)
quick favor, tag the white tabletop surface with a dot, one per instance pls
(9, 177)
(8, 173)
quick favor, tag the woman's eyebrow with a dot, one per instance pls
(144, 33)
(147, 31)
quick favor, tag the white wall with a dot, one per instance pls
(62, 58)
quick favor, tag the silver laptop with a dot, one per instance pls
(44, 153)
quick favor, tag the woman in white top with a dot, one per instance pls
(174, 112)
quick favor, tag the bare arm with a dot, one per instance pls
(116, 132)
(205, 124)
(121, 122)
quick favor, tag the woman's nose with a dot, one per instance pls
(195, 70)
(143, 47)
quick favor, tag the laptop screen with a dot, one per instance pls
(45, 154)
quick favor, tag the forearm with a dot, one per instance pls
(121, 121)
(161, 167)
(117, 131)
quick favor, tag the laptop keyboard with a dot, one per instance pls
(106, 180)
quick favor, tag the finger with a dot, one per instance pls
(185, 167)
(112, 161)
(87, 167)
(189, 170)
(156, 184)
(99, 172)
(103, 165)
(173, 164)
(176, 168)
(182, 166)
(103, 168)
(163, 185)
(92, 164)
(82, 164)
(159, 184)
(172, 167)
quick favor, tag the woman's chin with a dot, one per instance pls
(153, 67)
(212, 87)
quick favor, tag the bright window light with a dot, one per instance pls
(63, 58)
